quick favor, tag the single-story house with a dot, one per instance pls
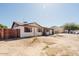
(31, 29)
(57, 29)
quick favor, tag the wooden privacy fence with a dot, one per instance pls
(9, 33)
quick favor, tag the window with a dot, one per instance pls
(26, 29)
(39, 30)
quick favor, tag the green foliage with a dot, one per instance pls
(3, 26)
(71, 26)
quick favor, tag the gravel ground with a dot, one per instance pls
(54, 45)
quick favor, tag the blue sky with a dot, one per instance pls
(44, 14)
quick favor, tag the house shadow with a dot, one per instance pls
(23, 38)
(13, 39)
(9, 39)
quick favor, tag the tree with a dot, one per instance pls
(71, 26)
(3, 26)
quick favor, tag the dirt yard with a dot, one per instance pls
(54, 45)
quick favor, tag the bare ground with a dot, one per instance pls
(54, 45)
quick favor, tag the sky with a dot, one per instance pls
(45, 14)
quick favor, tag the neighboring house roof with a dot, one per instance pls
(47, 28)
(57, 27)
(54, 27)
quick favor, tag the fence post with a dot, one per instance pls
(2, 33)
(7, 34)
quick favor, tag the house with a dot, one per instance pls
(57, 29)
(31, 29)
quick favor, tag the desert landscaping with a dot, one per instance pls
(53, 45)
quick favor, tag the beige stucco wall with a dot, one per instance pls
(58, 30)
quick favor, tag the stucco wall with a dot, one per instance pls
(36, 32)
(28, 34)
(47, 33)
(50, 31)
